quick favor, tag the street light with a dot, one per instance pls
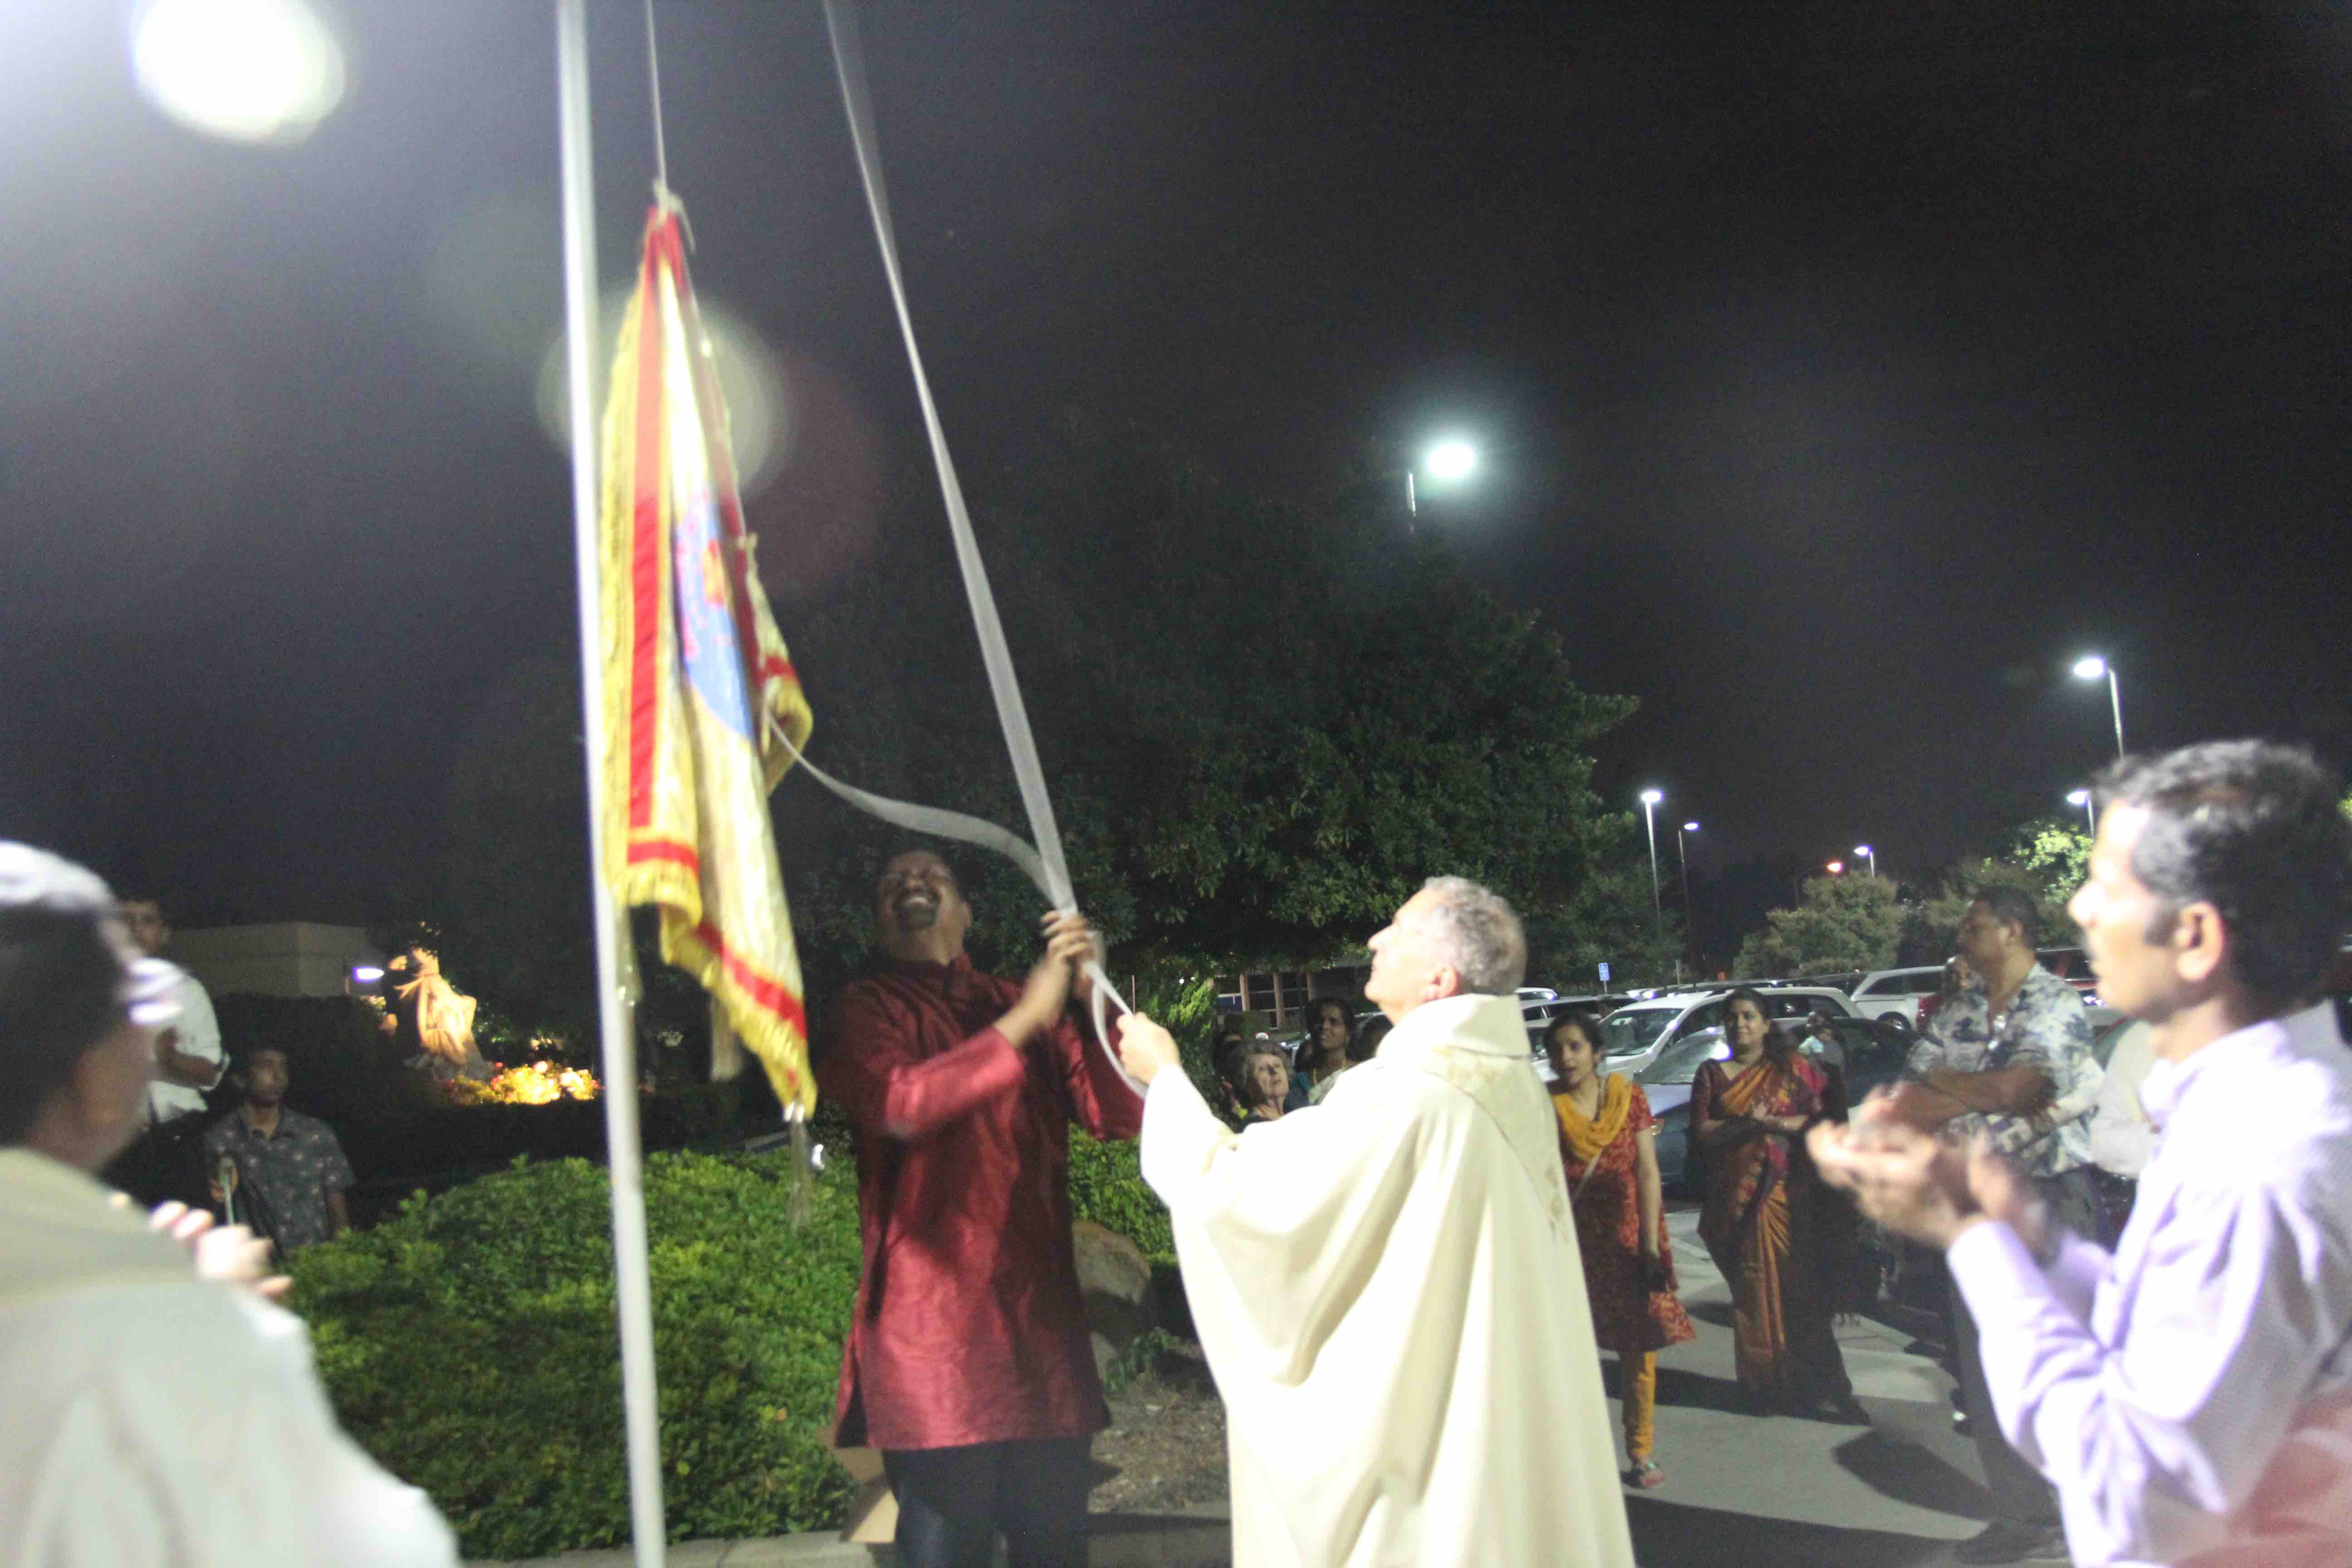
(1448, 460)
(1866, 849)
(1681, 856)
(2090, 668)
(2082, 797)
(1837, 868)
(244, 71)
(1650, 799)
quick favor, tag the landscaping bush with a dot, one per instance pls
(469, 1344)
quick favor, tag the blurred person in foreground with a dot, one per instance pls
(2190, 1396)
(1609, 1153)
(290, 1167)
(160, 1411)
(968, 1363)
(1387, 1289)
(2010, 1056)
(1767, 1224)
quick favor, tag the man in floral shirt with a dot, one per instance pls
(2010, 1058)
(290, 1172)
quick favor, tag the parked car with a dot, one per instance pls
(1875, 1051)
(1537, 1013)
(1897, 993)
(1633, 1036)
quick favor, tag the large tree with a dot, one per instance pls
(1840, 922)
(1263, 726)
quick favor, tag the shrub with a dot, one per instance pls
(1106, 1186)
(468, 1344)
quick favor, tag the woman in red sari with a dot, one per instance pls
(1765, 1223)
(1610, 1152)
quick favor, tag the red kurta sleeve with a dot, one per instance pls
(1638, 1117)
(1100, 1100)
(891, 1092)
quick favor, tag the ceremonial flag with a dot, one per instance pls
(697, 677)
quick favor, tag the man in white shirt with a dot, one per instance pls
(163, 1164)
(153, 1416)
(1388, 1289)
(2190, 1396)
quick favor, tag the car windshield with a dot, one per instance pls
(1631, 1030)
(1679, 1063)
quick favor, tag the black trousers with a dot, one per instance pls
(2019, 1492)
(954, 1501)
(164, 1163)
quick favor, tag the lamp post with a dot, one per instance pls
(2082, 797)
(1864, 850)
(1682, 857)
(1447, 461)
(2090, 668)
(1650, 799)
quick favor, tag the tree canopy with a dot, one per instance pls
(1263, 725)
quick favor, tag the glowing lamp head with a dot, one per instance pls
(1837, 868)
(243, 70)
(1451, 461)
(1862, 849)
(2079, 797)
(1690, 827)
(1652, 797)
(2090, 668)
(367, 973)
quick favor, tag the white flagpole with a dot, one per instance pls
(632, 1285)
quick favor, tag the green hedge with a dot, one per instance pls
(469, 1343)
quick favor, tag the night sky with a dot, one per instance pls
(1843, 370)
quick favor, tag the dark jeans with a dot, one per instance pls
(952, 1502)
(2019, 1492)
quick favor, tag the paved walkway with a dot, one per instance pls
(1741, 1491)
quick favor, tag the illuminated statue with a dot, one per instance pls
(429, 1020)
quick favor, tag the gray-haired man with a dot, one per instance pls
(1387, 1289)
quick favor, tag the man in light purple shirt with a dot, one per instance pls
(2190, 1396)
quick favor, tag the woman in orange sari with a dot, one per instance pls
(1763, 1221)
(1609, 1151)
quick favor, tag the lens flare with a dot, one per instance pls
(243, 70)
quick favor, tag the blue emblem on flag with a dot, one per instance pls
(705, 616)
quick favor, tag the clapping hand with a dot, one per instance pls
(231, 1254)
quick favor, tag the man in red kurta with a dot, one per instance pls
(968, 1363)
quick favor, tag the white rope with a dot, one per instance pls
(653, 75)
(1045, 863)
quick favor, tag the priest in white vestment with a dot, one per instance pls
(1387, 1285)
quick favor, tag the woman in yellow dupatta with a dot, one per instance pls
(1608, 1149)
(1762, 1222)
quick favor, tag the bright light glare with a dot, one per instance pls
(1690, 827)
(1451, 461)
(1836, 866)
(2090, 669)
(1861, 849)
(1651, 797)
(2079, 797)
(244, 71)
(367, 973)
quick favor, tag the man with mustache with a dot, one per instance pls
(968, 1363)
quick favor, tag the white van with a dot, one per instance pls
(1896, 993)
